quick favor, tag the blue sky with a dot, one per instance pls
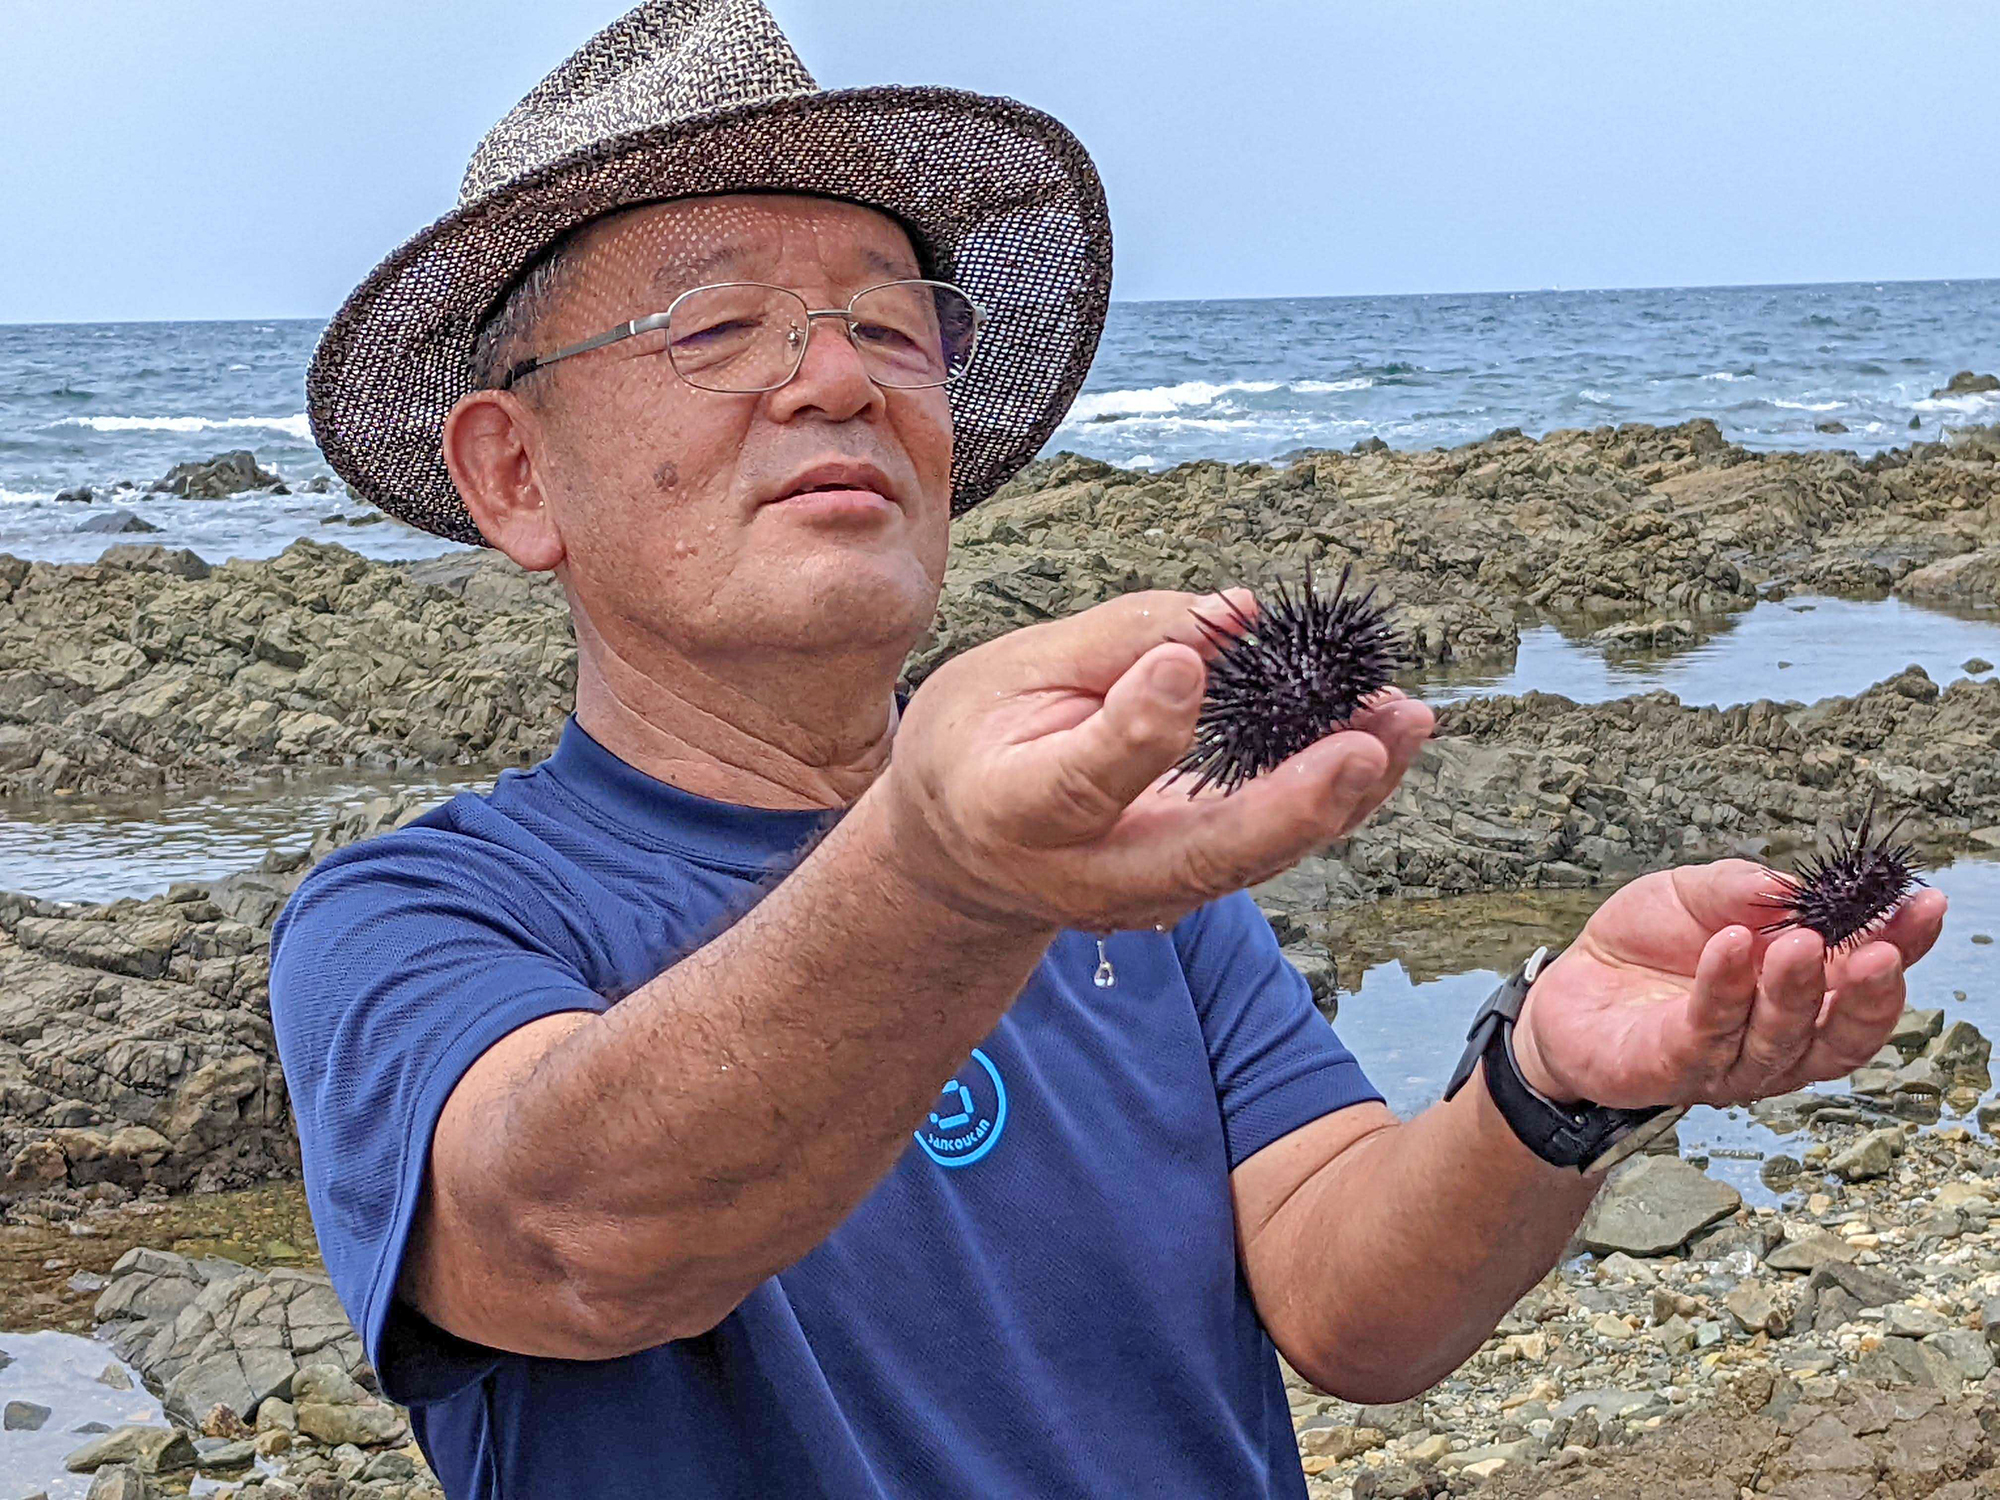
(223, 158)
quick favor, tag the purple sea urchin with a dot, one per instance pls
(1849, 889)
(1291, 676)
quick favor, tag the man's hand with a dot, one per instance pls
(1025, 784)
(1671, 995)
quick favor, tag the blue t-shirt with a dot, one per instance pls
(1041, 1298)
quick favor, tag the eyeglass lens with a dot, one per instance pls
(748, 337)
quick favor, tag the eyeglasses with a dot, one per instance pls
(744, 336)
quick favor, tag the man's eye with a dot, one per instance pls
(717, 333)
(883, 335)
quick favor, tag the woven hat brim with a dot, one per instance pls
(1002, 199)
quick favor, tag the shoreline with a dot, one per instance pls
(138, 1078)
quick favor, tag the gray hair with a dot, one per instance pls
(505, 334)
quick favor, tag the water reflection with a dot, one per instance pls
(1799, 649)
(1405, 1018)
(101, 848)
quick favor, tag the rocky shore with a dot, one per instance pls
(1838, 1344)
(153, 668)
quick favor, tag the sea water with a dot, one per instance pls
(94, 404)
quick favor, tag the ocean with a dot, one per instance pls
(97, 404)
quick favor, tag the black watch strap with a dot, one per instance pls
(1588, 1137)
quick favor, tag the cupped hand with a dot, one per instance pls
(1671, 994)
(1029, 778)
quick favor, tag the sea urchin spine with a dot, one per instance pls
(1290, 677)
(1847, 891)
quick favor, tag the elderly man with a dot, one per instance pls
(619, 1086)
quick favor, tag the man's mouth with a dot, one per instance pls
(860, 480)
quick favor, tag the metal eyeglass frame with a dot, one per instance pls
(846, 314)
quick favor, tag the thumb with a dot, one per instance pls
(1086, 776)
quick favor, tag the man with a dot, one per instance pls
(619, 1087)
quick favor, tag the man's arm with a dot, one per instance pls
(601, 1183)
(1382, 1254)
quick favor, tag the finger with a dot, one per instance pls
(1790, 986)
(1729, 892)
(1911, 929)
(1270, 823)
(1094, 649)
(1725, 989)
(1403, 725)
(1059, 788)
(1860, 1015)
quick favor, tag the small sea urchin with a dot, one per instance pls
(1846, 891)
(1291, 676)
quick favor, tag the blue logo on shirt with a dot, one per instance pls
(968, 1117)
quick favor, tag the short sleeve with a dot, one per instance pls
(394, 966)
(1277, 1063)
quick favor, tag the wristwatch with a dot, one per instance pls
(1588, 1137)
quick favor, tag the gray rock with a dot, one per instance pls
(372, 1424)
(81, 494)
(1653, 1205)
(1751, 1305)
(1917, 1027)
(1874, 1155)
(1963, 1055)
(151, 1450)
(329, 1385)
(23, 1416)
(389, 1465)
(180, 562)
(225, 1457)
(1976, 665)
(226, 474)
(1965, 1353)
(121, 1482)
(113, 521)
(114, 1376)
(1966, 382)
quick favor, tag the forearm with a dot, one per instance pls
(663, 1158)
(1403, 1252)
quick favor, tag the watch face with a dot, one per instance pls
(1634, 1141)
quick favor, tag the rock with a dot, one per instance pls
(180, 562)
(227, 1457)
(81, 494)
(121, 1482)
(329, 1385)
(213, 479)
(23, 1416)
(274, 1414)
(1915, 1030)
(1965, 1352)
(1829, 426)
(151, 1450)
(371, 1425)
(1873, 1155)
(1750, 1304)
(1340, 1443)
(392, 1465)
(1962, 1054)
(1965, 382)
(114, 1376)
(1976, 665)
(116, 521)
(1652, 1205)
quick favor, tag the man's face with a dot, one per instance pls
(683, 513)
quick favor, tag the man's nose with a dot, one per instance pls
(832, 379)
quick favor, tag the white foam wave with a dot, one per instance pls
(1808, 405)
(1726, 375)
(24, 497)
(1326, 387)
(294, 425)
(1601, 398)
(1965, 401)
(1164, 400)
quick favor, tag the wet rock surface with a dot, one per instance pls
(150, 668)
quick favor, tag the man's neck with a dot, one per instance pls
(760, 733)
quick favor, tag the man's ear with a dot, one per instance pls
(491, 449)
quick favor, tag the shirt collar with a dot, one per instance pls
(654, 812)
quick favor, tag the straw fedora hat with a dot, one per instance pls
(682, 98)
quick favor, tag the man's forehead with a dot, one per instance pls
(673, 246)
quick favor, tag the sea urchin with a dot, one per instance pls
(1291, 676)
(1846, 891)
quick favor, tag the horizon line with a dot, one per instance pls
(1542, 291)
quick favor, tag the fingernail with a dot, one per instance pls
(1176, 678)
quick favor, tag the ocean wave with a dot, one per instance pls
(1165, 400)
(24, 497)
(293, 426)
(1966, 402)
(1807, 405)
(1597, 398)
(1727, 375)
